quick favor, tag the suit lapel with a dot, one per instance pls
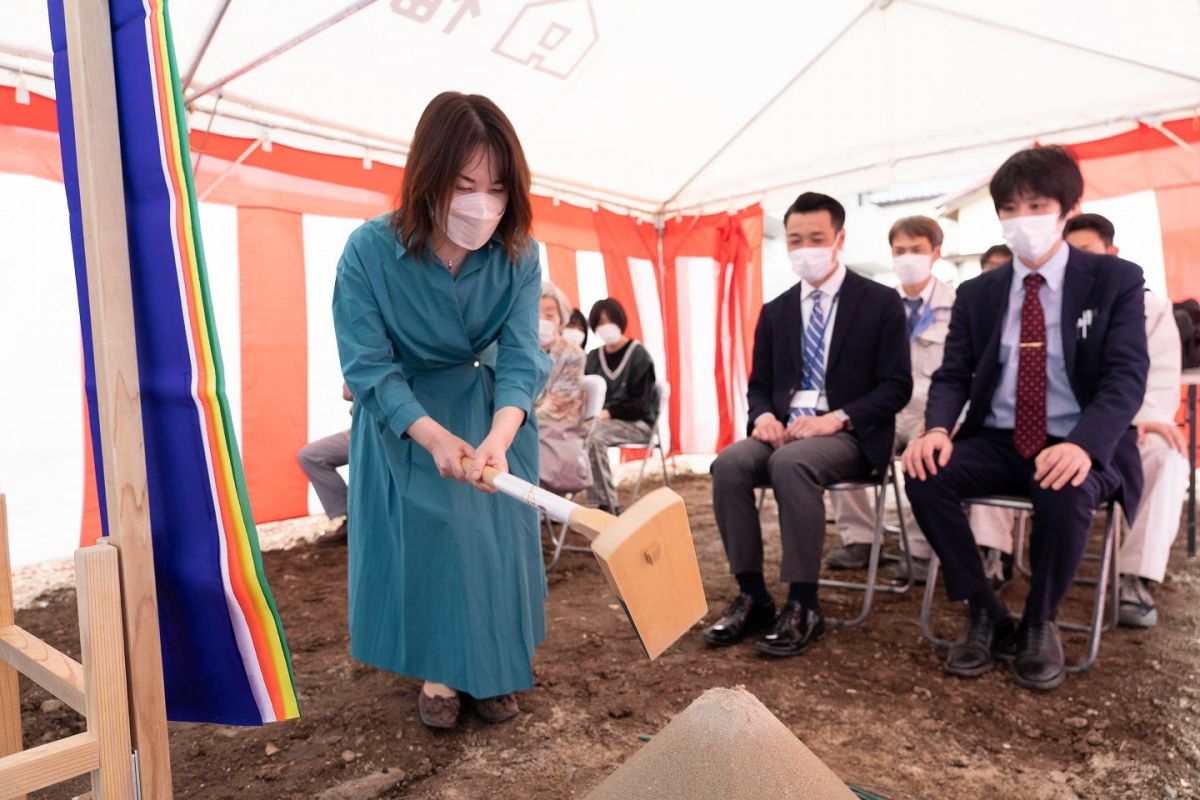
(994, 315)
(794, 319)
(1077, 284)
(847, 304)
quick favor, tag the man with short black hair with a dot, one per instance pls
(830, 372)
(629, 410)
(1050, 353)
(1161, 446)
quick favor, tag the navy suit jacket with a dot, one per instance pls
(868, 373)
(1107, 368)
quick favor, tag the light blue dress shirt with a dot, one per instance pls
(1062, 409)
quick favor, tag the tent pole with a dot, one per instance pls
(1023, 140)
(118, 394)
(988, 23)
(208, 37)
(771, 102)
(298, 39)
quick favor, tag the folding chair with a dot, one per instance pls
(880, 484)
(1108, 579)
(660, 397)
(594, 391)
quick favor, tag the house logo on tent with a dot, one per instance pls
(551, 36)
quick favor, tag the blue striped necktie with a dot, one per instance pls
(914, 305)
(813, 371)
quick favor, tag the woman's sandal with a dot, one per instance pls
(440, 713)
(497, 709)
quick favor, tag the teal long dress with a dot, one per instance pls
(446, 582)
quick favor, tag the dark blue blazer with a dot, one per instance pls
(1107, 368)
(868, 373)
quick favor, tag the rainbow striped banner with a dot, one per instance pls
(224, 655)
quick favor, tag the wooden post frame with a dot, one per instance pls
(97, 688)
(110, 299)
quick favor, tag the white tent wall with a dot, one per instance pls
(41, 418)
(218, 228)
(328, 413)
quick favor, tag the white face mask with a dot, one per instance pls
(574, 336)
(473, 219)
(547, 331)
(1032, 237)
(912, 268)
(609, 333)
(811, 263)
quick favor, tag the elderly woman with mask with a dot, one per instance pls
(560, 408)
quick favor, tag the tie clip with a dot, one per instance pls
(1032, 344)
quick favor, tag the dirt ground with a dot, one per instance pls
(872, 702)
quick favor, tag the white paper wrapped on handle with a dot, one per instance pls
(555, 507)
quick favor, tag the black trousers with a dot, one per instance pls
(988, 463)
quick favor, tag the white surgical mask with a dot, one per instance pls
(609, 333)
(547, 331)
(1032, 237)
(574, 336)
(811, 263)
(473, 219)
(912, 268)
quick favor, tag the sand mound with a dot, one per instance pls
(726, 744)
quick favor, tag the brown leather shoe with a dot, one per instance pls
(337, 536)
(440, 713)
(497, 709)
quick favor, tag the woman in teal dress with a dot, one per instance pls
(436, 313)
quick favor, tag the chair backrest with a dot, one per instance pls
(594, 391)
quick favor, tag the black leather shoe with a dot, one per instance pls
(976, 653)
(796, 629)
(1039, 663)
(741, 618)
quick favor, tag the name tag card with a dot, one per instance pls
(805, 398)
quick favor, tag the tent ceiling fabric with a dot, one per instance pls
(664, 106)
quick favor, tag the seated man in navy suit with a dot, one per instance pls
(1050, 351)
(830, 373)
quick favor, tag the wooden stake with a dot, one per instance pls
(102, 646)
(102, 201)
(10, 694)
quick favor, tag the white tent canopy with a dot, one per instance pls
(661, 106)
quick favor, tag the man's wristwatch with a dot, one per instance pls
(842, 417)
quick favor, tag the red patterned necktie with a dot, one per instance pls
(1029, 431)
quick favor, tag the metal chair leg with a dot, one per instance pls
(663, 455)
(927, 606)
(556, 541)
(903, 531)
(1096, 627)
(871, 587)
(872, 568)
(1019, 550)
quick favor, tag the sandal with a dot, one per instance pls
(497, 709)
(440, 713)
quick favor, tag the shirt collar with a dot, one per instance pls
(925, 296)
(829, 288)
(1053, 270)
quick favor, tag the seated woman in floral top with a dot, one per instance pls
(560, 408)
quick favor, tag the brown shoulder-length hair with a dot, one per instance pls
(452, 129)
